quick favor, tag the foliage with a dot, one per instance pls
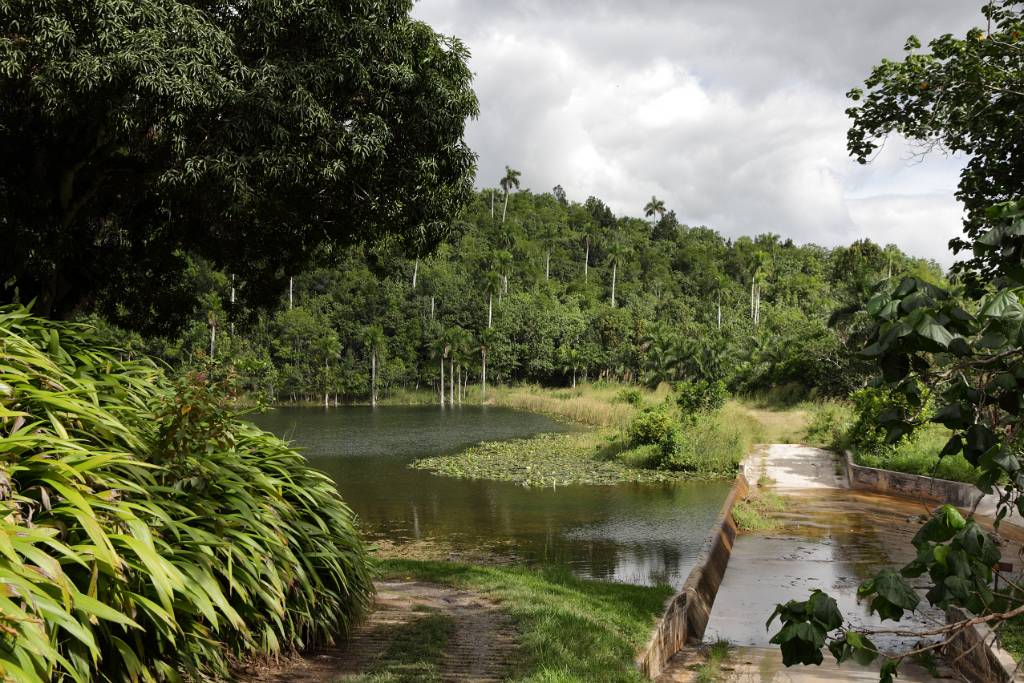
(629, 395)
(491, 280)
(651, 426)
(829, 425)
(151, 534)
(755, 512)
(713, 445)
(570, 630)
(700, 396)
(546, 460)
(256, 135)
(920, 455)
(959, 95)
(867, 434)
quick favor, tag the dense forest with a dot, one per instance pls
(550, 291)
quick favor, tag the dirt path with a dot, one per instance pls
(480, 646)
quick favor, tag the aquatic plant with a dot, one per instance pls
(147, 533)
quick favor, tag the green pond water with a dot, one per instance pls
(644, 534)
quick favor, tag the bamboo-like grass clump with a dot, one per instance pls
(147, 533)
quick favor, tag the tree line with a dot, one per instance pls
(533, 287)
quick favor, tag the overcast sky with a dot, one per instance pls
(732, 111)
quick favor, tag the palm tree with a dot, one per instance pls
(375, 341)
(758, 279)
(655, 207)
(486, 341)
(439, 349)
(589, 231)
(510, 180)
(503, 264)
(492, 286)
(616, 252)
(662, 361)
(571, 360)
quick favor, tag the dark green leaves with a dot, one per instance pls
(805, 627)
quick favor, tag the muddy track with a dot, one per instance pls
(481, 647)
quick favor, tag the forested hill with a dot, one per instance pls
(551, 289)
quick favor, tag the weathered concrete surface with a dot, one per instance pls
(798, 468)
(960, 494)
(687, 613)
(764, 665)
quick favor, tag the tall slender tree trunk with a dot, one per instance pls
(490, 309)
(483, 373)
(291, 290)
(586, 260)
(415, 272)
(719, 309)
(615, 267)
(504, 282)
(504, 211)
(460, 384)
(753, 284)
(431, 307)
(213, 337)
(492, 204)
(373, 379)
(442, 381)
(547, 266)
(451, 380)
(574, 377)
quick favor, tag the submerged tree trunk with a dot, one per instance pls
(483, 373)
(373, 379)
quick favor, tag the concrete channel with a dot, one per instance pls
(828, 537)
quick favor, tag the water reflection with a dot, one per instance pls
(643, 534)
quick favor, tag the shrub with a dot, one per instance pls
(866, 436)
(711, 444)
(828, 425)
(152, 535)
(651, 426)
(700, 396)
(629, 395)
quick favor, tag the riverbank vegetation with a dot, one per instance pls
(666, 434)
(571, 630)
(147, 529)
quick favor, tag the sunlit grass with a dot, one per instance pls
(570, 630)
(590, 404)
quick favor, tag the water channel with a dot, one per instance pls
(643, 534)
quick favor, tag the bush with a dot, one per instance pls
(150, 534)
(828, 425)
(866, 436)
(711, 445)
(651, 426)
(701, 396)
(629, 395)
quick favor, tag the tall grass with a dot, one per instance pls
(150, 535)
(591, 404)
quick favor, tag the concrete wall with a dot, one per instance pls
(910, 485)
(687, 613)
(976, 655)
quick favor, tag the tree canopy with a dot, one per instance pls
(253, 135)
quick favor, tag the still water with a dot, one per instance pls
(644, 534)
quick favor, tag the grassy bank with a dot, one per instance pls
(832, 425)
(570, 629)
(707, 447)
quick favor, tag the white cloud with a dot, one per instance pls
(733, 113)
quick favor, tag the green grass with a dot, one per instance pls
(711, 670)
(598, 404)
(570, 630)
(414, 654)
(755, 513)
(921, 456)
(1011, 636)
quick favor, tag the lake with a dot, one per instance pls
(635, 533)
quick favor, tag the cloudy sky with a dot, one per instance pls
(732, 111)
